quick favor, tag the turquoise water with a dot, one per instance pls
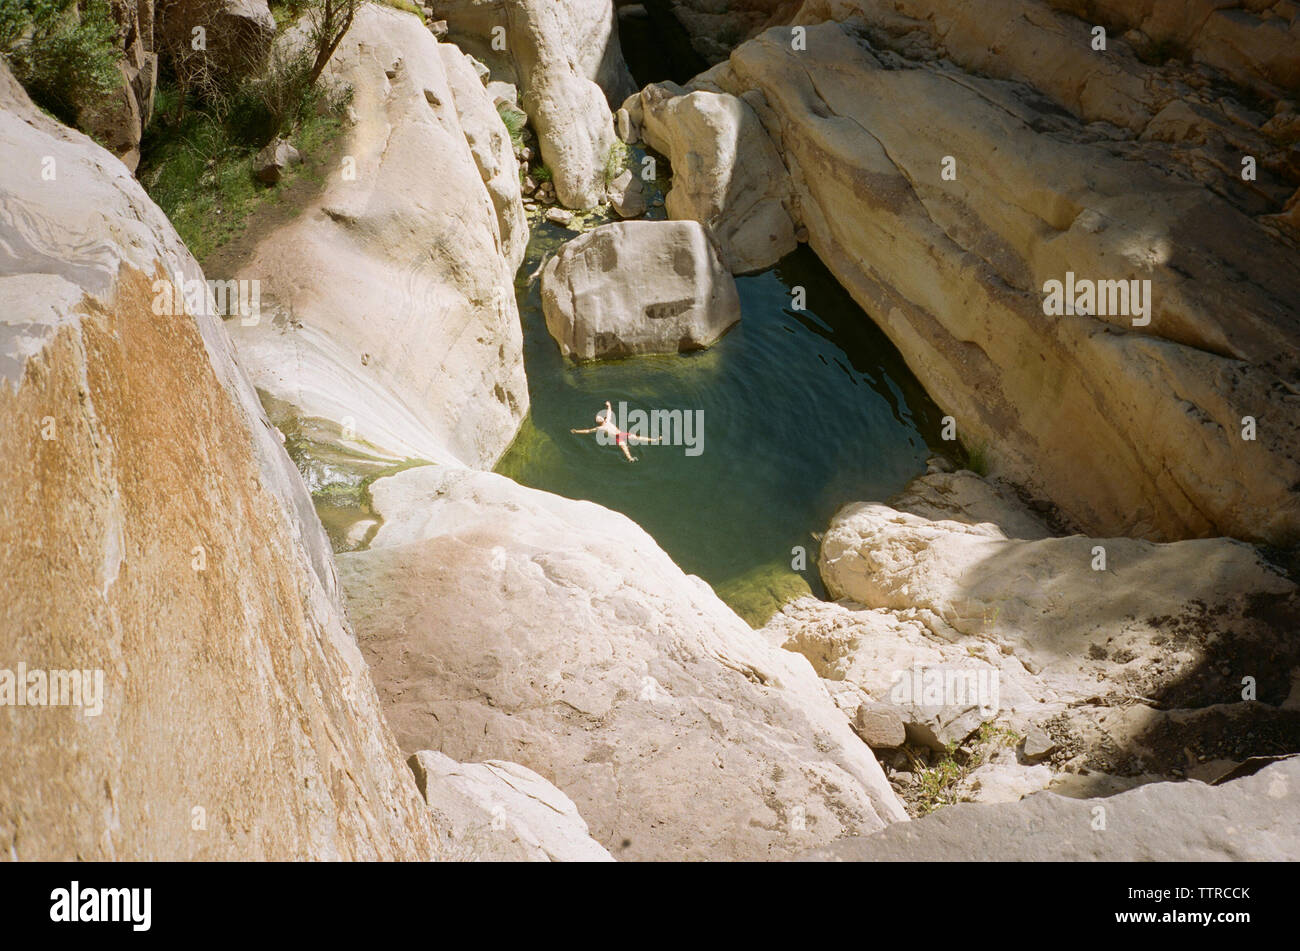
(802, 413)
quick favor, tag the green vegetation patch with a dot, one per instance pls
(65, 53)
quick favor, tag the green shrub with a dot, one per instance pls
(64, 53)
(405, 5)
(515, 122)
(200, 170)
(541, 173)
(976, 459)
(615, 161)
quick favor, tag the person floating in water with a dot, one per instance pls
(605, 424)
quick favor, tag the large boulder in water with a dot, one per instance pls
(638, 287)
(506, 623)
(161, 555)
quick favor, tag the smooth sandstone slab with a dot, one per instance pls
(401, 270)
(506, 623)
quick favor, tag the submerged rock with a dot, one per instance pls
(638, 287)
(506, 623)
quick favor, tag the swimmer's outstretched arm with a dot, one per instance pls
(644, 438)
(583, 431)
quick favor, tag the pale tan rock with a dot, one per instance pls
(1129, 651)
(963, 496)
(506, 623)
(489, 143)
(726, 173)
(566, 61)
(1127, 429)
(388, 301)
(154, 530)
(1247, 819)
(638, 287)
(627, 195)
(501, 812)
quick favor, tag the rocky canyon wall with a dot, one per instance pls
(156, 540)
(946, 165)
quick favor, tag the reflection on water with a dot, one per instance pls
(802, 413)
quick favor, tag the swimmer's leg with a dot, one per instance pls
(627, 452)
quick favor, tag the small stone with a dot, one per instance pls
(879, 725)
(559, 216)
(484, 74)
(270, 163)
(627, 195)
(529, 186)
(1038, 745)
(438, 28)
(627, 130)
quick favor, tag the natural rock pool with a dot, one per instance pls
(802, 412)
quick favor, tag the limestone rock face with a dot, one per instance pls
(388, 301)
(489, 143)
(972, 579)
(638, 287)
(154, 531)
(506, 623)
(1256, 44)
(727, 175)
(565, 58)
(1122, 657)
(502, 812)
(1248, 819)
(590, 38)
(1129, 428)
